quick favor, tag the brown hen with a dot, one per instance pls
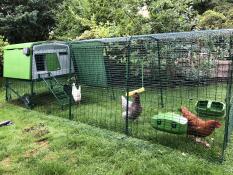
(198, 127)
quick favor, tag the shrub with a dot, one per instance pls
(2, 44)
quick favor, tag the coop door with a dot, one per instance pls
(52, 62)
(47, 62)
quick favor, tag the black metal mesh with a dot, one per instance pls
(176, 69)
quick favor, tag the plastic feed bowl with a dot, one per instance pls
(210, 109)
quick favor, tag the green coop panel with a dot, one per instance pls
(17, 61)
(170, 122)
(88, 60)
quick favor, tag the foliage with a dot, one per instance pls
(203, 5)
(96, 18)
(72, 19)
(99, 31)
(229, 21)
(223, 7)
(215, 14)
(122, 18)
(196, 72)
(212, 20)
(2, 44)
(172, 15)
(27, 20)
(33, 20)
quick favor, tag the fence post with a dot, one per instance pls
(228, 101)
(7, 90)
(160, 80)
(32, 87)
(70, 83)
(127, 87)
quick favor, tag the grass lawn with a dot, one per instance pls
(45, 144)
(99, 108)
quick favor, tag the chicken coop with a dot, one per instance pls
(33, 67)
(174, 89)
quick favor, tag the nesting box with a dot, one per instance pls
(28, 61)
(170, 122)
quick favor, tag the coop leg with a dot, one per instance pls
(6, 95)
(10, 97)
(7, 91)
(32, 88)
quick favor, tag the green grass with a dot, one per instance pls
(99, 108)
(44, 144)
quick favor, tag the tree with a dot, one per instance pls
(116, 18)
(223, 7)
(226, 8)
(72, 19)
(203, 5)
(229, 20)
(27, 20)
(172, 15)
(212, 20)
(2, 45)
(108, 18)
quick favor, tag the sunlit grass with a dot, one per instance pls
(101, 107)
(70, 147)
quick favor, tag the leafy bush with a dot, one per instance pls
(2, 44)
(229, 21)
(195, 68)
(27, 20)
(212, 20)
(99, 31)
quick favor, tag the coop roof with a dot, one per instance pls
(18, 46)
(165, 36)
(29, 45)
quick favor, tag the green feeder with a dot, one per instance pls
(210, 109)
(170, 122)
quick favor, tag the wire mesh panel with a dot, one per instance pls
(182, 78)
(101, 74)
(187, 78)
(229, 109)
(173, 89)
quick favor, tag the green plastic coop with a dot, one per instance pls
(28, 61)
(34, 68)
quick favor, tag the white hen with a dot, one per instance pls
(76, 93)
(124, 103)
(134, 107)
(124, 106)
